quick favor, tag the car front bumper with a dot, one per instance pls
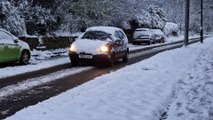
(142, 40)
(96, 59)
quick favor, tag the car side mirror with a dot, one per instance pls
(15, 41)
(118, 42)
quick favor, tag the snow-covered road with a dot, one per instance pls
(43, 59)
(181, 78)
(33, 82)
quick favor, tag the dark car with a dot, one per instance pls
(149, 36)
(142, 35)
(157, 36)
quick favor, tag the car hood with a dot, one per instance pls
(89, 46)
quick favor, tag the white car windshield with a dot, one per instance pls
(96, 35)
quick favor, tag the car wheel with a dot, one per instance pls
(153, 41)
(126, 57)
(25, 58)
(163, 40)
(112, 60)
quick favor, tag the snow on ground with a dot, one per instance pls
(39, 60)
(30, 83)
(182, 77)
(10, 71)
(38, 55)
(193, 96)
(181, 37)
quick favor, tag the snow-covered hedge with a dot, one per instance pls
(171, 28)
(10, 19)
(151, 18)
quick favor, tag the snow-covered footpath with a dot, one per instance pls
(181, 79)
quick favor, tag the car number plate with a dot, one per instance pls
(85, 56)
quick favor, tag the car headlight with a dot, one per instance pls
(104, 49)
(73, 48)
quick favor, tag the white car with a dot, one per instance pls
(12, 49)
(102, 45)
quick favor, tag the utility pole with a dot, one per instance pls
(201, 24)
(187, 17)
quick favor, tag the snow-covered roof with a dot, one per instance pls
(107, 29)
(4, 30)
(8, 33)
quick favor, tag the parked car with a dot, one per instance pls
(142, 35)
(12, 49)
(149, 36)
(102, 45)
(157, 36)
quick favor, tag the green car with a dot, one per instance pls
(12, 49)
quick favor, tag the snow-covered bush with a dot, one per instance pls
(152, 17)
(77, 14)
(10, 19)
(38, 20)
(171, 28)
(175, 10)
(41, 16)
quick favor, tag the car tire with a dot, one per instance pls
(126, 57)
(112, 60)
(163, 40)
(25, 58)
(153, 41)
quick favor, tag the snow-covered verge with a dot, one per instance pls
(180, 37)
(38, 55)
(140, 91)
(193, 94)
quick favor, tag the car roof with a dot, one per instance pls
(157, 31)
(107, 29)
(8, 33)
